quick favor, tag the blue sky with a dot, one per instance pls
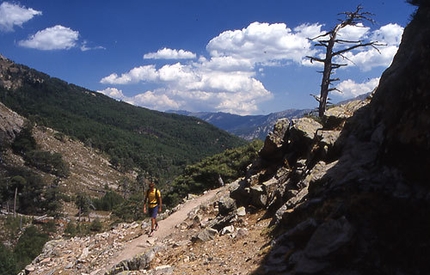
(237, 56)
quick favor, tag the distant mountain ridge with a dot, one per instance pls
(252, 127)
(248, 127)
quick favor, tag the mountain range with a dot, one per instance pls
(248, 127)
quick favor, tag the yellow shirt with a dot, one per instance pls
(152, 198)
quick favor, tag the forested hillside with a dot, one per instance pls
(160, 144)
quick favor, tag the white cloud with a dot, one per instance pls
(367, 58)
(353, 33)
(156, 100)
(192, 86)
(84, 47)
(135, 75)
(113, 92)
(226, 80)
(166, 53)
(263, 42)
(177, 73)
(391, 34)
(226, 64)
(15, 15)
(54, 38)
(350, 89)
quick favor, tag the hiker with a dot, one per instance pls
(153, 199)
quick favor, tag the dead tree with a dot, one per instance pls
(329, 40)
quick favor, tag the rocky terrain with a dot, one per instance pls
(225, 231)
(345, 194)
(180, 246)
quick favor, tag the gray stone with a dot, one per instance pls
(329, 238)
(205, 235)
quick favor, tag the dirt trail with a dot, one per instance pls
(166, 226)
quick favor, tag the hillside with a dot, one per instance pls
(157, 143)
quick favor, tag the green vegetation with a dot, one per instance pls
(29, 245)
(71, 229)
(96, 225)
(33, 195)
(7, 261)
(159, 143)
(27, 185)
(158, 146)
(204, 175)
(52, 163)
(108, 202)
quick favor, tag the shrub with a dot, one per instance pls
(29, 246)
(96, 225)
(108, 201)
(70, 229)
(7, 261)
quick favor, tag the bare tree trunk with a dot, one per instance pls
(328, 40)
(325, 82)
(14, 202)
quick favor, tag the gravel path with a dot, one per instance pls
(166, 226)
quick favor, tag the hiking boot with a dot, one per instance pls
(151, 233)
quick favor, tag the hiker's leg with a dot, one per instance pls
(154, 217)
(153, 223)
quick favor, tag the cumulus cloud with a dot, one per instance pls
(166, 53)
(367, 58)
(227, 79)
(15, 15)
(190, 87)
(264, 43)
(113, 92)
(353, 33)
(391, 34)
(350, 89)
(53, 38)
(135, 75)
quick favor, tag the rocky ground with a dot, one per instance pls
(182, 245)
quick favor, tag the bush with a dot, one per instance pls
(96, 225)
(48, 162)
(24, 141)
(29, 246)
(70, 230)
(7, 261)
(204, 175)
(108, 201)
(130, 210)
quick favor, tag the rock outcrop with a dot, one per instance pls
(10, 124)
(351, 194)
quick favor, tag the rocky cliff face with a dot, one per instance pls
(401, 109)
(10, 124)
(354, 201)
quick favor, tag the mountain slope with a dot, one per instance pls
(158, 143)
